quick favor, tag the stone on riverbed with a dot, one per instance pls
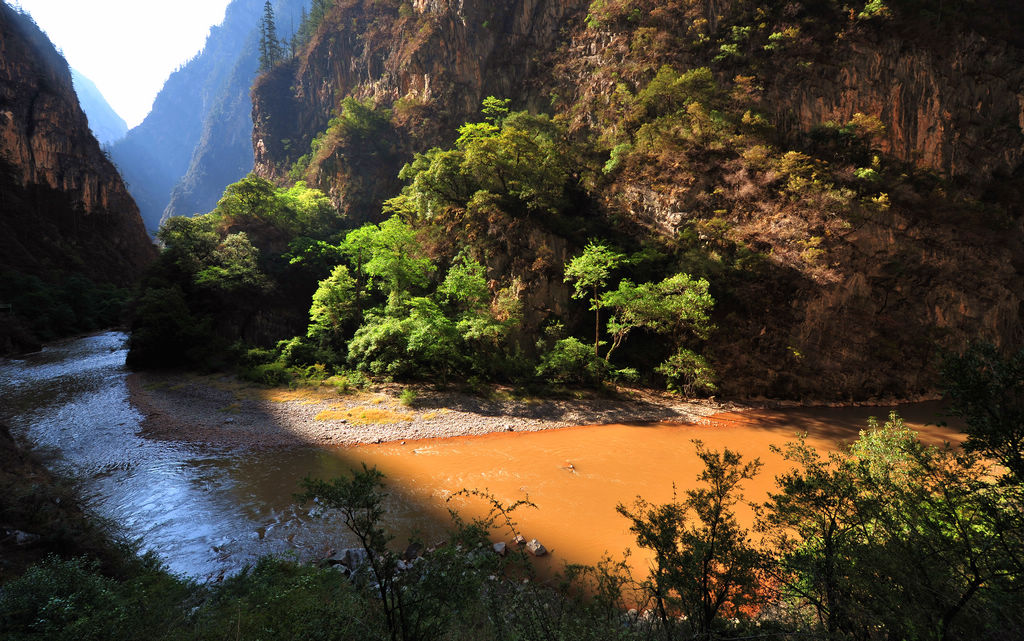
(500, 548)
(350, 558)
(535, 548)
(413, 552)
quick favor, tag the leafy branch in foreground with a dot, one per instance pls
(705, 567)
(859, 534)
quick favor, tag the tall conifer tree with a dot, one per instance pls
(270, 46)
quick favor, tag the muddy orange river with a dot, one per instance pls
(577, 476)
(209, 511)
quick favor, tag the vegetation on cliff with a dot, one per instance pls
(843, 228)
(411, 297)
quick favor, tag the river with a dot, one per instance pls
(207, 511)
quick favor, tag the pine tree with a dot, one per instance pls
(319, 10)
(301, 35)
(270, 47)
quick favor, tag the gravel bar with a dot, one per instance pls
(222, 410)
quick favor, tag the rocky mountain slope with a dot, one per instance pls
(106, 125)
(64, 206)
(196, 139)
(849, 180)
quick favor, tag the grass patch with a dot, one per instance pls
(303, 395)
(365, 415)
(429, 416)
(408, 397)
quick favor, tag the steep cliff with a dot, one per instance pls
(63, 207)
(850, 180)
(104, 122)
(440, 57)
(863, 280)
(196, 139)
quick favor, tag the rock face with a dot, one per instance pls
(63, 206)
(865, 320)
(957, 108)
(445, 56)
(197, 138)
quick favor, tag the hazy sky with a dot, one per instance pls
(127, 47)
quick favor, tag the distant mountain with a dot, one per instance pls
(106, 125)
(198, 137)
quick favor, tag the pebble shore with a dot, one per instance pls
(221, 410)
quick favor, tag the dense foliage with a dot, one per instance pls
(427, 292)
(986, 389)
(43, 310)
(219, 272)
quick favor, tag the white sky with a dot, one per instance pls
(127, 47)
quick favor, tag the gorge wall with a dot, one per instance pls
(441, 56)
(63, 206)
(854, 292)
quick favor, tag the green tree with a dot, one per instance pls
(811, 526)
(986, 390)
(891, 522)
(588, 273)
(360, 501)
(465, 284)
(334, 306)
(514, 161)
(687, 373)
(571, 361)
(233, 268)
(676, 304)
(420, 601)
(275, 215)
(390, 256)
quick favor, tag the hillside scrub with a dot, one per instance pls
(844, 229)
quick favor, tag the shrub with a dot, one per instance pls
(272, 374)
(71, 600)
(688, 373)
(281, 599)
(570, 361)
(297, 352)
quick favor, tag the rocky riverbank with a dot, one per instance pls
(225, 411)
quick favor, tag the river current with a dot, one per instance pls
(207, 511)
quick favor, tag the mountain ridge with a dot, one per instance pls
(105, 123)
(196, 138)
